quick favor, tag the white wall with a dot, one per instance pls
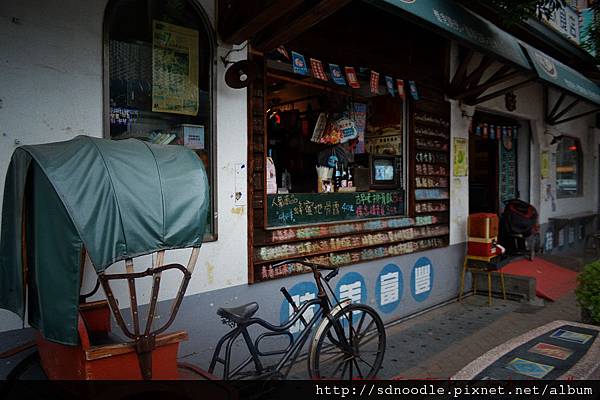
(51, 90)
(530, 107)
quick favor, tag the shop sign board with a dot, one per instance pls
(462, 25)
(508, 171)
(314, 208)
(566, 21)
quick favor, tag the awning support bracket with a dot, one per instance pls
(571, 118)
(468, 86)
(473, 101)
(560, 110)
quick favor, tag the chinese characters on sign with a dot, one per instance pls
(461, 164)
(308, 314)
(351, 292)
(566, 21)
(352, 287)
(422, 282)
(301, 293)
(389, 288)
(422, 279)
(299, 209)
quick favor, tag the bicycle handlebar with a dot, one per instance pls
(306, 264)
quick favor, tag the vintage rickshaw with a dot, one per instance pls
(112, 202)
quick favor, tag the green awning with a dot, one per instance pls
(562, 76)
(462, 25)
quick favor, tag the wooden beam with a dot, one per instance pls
(461, 73)
(310, 84)
(478, 90)
(477, 74)
(268, 15)
(560, 100)
(565, 110)
(595, 110)
(503, 70)
(287, 31)
(500, 92)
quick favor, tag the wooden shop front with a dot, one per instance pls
(349, 139)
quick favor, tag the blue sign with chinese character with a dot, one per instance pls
(421, 279)
(300, 292)
(352, 286)
(389, 287)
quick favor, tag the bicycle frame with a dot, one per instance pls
(290, 353)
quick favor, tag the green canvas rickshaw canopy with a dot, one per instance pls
(118, 199)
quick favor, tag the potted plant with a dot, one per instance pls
(588, 293)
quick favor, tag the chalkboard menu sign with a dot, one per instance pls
(312, 208)
(508, 169)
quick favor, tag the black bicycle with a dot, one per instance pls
(348, 343)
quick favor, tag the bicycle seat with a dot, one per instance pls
(240, 313)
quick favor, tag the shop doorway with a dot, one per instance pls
(483, 174)
(499, 160)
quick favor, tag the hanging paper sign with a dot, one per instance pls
(317, 69)
(515, 130)
(400, 86)
(348, 129)
(504, 132)
(478, 130)
(492, 132)
(485, 131)
(299, 64)
(461, 151)
(281, 50)
(413, 90)
(374, 82)
(336, 74)
(351, 76)
(175, 70)
(545, 164)
(389, 82)
(359, 116)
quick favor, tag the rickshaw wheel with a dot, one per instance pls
(24, 366)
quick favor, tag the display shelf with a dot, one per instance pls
(260, 270)
(326, 246)
(265, 241)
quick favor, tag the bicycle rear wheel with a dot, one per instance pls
(348, 345)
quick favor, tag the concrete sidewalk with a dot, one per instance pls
(438, 344)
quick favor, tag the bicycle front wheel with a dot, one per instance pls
(350, 344)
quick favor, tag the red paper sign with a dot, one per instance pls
(374, 82)
(400, 85)
(317, 69)
(351, 76)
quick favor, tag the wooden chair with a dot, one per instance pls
(483, 264)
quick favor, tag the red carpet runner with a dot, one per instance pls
(552, 281)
